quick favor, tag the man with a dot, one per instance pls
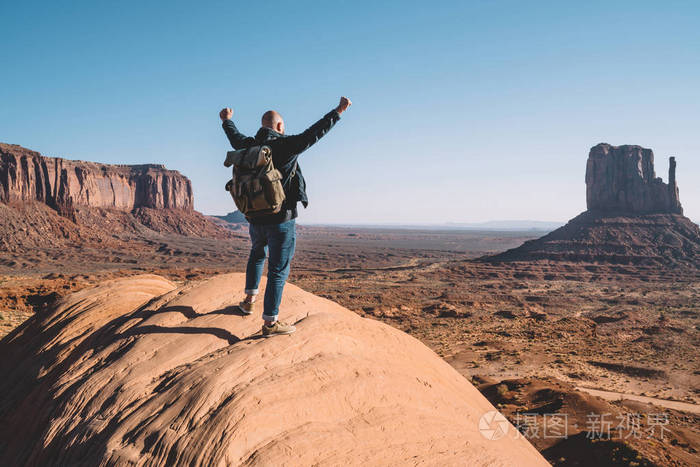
(277, 232)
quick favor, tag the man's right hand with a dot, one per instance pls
(226, 114)
(344, 104)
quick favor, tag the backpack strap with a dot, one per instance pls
(291, 174)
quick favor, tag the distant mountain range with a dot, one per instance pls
(496, 226)
(508, 225)
(236, 217)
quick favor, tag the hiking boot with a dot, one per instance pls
(246, 308)
(278, 328)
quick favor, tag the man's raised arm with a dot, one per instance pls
(235, 137)
(303, 141)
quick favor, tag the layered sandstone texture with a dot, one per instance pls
(139, 371)
(26, 175)
(622, 179)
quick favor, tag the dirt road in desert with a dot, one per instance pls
(616, 396)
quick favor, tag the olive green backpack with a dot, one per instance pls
(256, 186)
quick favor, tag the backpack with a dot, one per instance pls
(256, 186)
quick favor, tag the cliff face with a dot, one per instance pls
(622, 179)
(52, 203)
(64, 184)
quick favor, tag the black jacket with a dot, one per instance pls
(285, 152)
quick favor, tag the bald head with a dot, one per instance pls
(273, 120)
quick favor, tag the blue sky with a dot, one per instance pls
(463, 111)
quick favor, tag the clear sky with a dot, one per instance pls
(463, 111)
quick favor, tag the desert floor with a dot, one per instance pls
(534, 337)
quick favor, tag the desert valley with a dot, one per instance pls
(585, 338)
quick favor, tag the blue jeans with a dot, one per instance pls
(280, 240)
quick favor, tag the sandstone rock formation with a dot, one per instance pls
(622, 179)
(103, 201)
(26, 175)
(139, 371)
(633, 217)
(235, 217)
(234, 221)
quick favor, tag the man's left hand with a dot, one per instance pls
(344, 104)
